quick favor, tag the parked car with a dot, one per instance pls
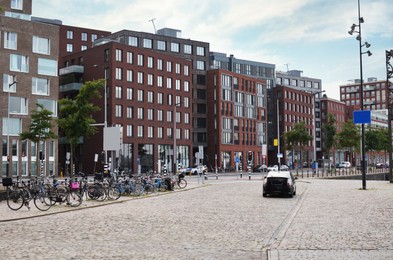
(279, 183)
(260, 168)
(196, 170)
(275, 168)
(381, 165)
(344, 165)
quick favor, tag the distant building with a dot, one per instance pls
(237, 120)
(28, 68)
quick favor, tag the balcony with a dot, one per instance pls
(70, 87)
(71, 69)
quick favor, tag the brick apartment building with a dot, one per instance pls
(237, 120)
(28, 68)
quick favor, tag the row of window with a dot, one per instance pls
(40, 45)
(84, 36)
(160, 132)
(165, 46)
(234, 138)
(39, 86)
(298, 83)
(140, 114)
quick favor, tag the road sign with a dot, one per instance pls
(362, 117)
(279, 155)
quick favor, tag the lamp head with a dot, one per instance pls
(369, 53)
(367, 45)
(361, 20)
(358, 37)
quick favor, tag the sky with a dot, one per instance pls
(307, 35)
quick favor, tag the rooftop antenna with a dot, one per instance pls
(287, 64)
(152, 21)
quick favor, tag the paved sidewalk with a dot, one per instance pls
(221, 219)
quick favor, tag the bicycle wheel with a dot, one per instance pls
(139, 190)
(96, 193)
(15, 200)
(113, 193)
(42, 201)
(74, 199)
(182, 183)
(162, 186)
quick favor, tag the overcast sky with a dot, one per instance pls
(307, 35)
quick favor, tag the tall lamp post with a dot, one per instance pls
(389, 85)
(367, 45)
(8, 124)
(174, 137)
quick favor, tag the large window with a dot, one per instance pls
(147, 43)
(119, 55)
(47, 67)
(161, 45)
(7, 81)
(40, 86)
(19, 63)
(187, 49)
(200, 65)
(17, 4)
(133, 41)
(14, 127)
(175, 47)
(200, 51)
(10, 40)
(49, 104)
(18, 105)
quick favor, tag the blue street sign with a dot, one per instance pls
(362, 117)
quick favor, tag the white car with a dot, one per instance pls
(196, 170)
(275, 168)
(344, 165)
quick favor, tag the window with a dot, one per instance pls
(119, 109)
(169, 132)
(160, 115)
(140, 95)
(147, 43)
(161, 45)
(159, 64)
(18, 105)
(133, 41)
(187, 134)
(119, 55)
(130, 75)
(10, 40)
(150, 96)
(160, 98)
(93, 37)
(150, 62)
(49, 104)
(187, 49)
(150, 114)
(169, 116)
(41, 45)
(177, 68)
(119, 73)
(150, 132)
(70, 35)
(84, 37)
(140, 77)
(47, 67)
(200, 51)
(140, 60)
(130, 94)
(70, 47)
(140, 131)
(186, 86)
(200, 65)
(7, 80)
(186, 70)
(40, 86)
(150, 81)
(19, 63)
(186, 118)
(174, 47)
(169, 66)
(129, 57)
(140, 113)
(119, 91)
(130, 129)
(83, 47)
(159, 81)
(130, 112)
(178, 84)
(160, 132)
(17, 4)
(169, 83)
(14, 127)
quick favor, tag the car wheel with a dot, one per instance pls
(264, 194)
(290, 195)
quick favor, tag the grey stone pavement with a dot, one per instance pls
(219, 219)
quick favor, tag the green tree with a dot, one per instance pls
(349, 137)
(329, 131)
(297, 138)
(40, 129)
(76, 119)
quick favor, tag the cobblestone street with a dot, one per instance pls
(221, 219)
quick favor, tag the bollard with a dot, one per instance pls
(241, 175)
(216, 174)
(249, 175)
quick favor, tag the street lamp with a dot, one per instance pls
(8, 124)
(389, 85)
(367, 45)
(174, 137)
